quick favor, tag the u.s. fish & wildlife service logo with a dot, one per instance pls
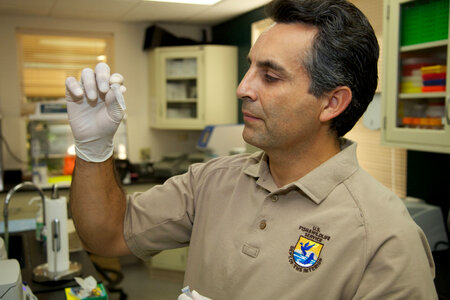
(305, 255)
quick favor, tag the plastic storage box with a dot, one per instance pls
(424, 21)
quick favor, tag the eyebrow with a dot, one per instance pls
(270, 64)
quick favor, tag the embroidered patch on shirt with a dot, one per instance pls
(305, 255)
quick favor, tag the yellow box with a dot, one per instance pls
(71, 293)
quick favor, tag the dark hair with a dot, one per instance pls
(344, 51)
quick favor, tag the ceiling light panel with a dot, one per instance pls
(199, 2)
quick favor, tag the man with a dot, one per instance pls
(300, 220)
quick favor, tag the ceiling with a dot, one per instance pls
(132, 10)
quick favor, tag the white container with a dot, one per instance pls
(435, 110)
(435, 113)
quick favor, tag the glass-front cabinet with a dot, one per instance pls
(182, 86)
(416, 93)
(193, 86)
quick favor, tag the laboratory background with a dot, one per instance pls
(182, 63)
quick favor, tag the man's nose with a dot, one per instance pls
(246, 88)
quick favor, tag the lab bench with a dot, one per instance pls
(31, 253)
(19, 208)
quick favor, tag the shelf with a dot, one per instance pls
(187, 100)
(424, 46)
(405, 114)
(421, 130)
(190, 77)
(51, 156)
(422, 95)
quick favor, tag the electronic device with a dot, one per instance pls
(430, 219)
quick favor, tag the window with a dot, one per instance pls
(47, 59)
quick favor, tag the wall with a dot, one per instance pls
(129, 59)
(238, 32)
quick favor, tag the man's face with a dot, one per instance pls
(277, 108)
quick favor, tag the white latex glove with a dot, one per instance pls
(195, 296)
(95, 107)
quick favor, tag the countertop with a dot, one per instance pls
(19, 209)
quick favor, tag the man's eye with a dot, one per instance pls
(269, 78)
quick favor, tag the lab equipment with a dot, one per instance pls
(3, 254)
(42, 272)
(10, 280)
(11, 286)
(191, 159)
(39, 219)
(169, 165)
(58, 243)
(52, 149)
(220, 140)
(430, 220)
(8, 200)
(58, 266)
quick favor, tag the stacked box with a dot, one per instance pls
(424, 21)
(434, 78)
(411, 80)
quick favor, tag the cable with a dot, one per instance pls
(16, 158)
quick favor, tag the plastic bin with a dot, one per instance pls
(424, 21)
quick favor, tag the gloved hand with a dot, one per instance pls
(95, 107)
(195, 296)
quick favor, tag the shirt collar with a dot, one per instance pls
(318, 183)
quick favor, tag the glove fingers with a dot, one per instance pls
(113, 107)
(102, 74)
(74, 91)
(116, 78)
(89, 83)
(197, 296)
(184, 297)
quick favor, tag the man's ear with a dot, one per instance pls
(335, 103)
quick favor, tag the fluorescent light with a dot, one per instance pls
(201, 2)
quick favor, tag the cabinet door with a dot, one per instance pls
(416, 93)
(180, 89)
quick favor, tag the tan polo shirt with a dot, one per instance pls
(336, 233)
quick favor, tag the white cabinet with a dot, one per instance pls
(193, 86)
(416, 93)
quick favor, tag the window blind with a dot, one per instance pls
(48, 59)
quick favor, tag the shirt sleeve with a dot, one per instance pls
(401, 267)
(160, 218)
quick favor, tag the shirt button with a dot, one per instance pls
(274, 198)
(262, 224)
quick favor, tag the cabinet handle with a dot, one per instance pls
(447, 110)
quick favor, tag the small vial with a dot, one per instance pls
(187, 291)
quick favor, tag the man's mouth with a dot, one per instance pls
(249, 117)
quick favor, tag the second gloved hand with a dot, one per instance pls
(94, 112)
(195, 296)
